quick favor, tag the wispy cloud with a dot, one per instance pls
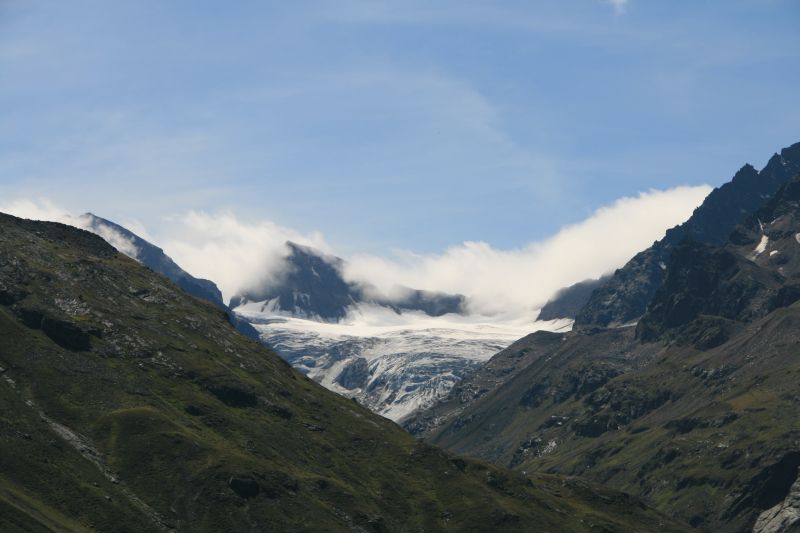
(498, 16)
(618, 5)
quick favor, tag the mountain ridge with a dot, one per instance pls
(690, 408)
(156, 259)
(623, 297)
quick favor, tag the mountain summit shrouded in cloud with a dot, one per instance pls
(312, 286)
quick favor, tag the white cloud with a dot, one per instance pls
(239, 255)
(518, 281)
(235, 254)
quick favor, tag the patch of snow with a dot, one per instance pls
(774, 253)
(550, 448)
(662, 265)
(762, 246)
(797, 237)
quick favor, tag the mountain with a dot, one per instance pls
(624, 297)
(154, 258)
(568, 302)
(692, 409)
(313, 287)
(128, 405)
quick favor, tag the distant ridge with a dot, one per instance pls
(154, 258)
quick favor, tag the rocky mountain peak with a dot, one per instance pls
(625, 296)
(313, 286)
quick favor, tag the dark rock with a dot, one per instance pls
(374, 523)
(193, 410)
(769, 487)
(313, 286)
(65, 334)
(786, 296)
(355, 375)
(535, 395)
(429, 302)
(10, 295)
(232, 394)
(707, 280)
(567, 302)
(244, 487)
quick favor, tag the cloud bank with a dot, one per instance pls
(519, 281)
(239, 255)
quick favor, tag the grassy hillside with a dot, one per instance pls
(708, 436)
(128, 405)
(694, 410)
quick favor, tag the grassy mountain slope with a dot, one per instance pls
(709, 436)
(694, 410)
(128, 405)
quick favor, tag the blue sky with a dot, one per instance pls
(413, 125)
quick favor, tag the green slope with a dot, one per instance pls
(129, 406)
(694, 410)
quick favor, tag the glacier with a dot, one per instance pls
(392, 363)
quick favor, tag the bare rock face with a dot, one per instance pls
(624, 297)
(355, 375)
(567, 302)
(783, 517)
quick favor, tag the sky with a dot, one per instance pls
(387, 130)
